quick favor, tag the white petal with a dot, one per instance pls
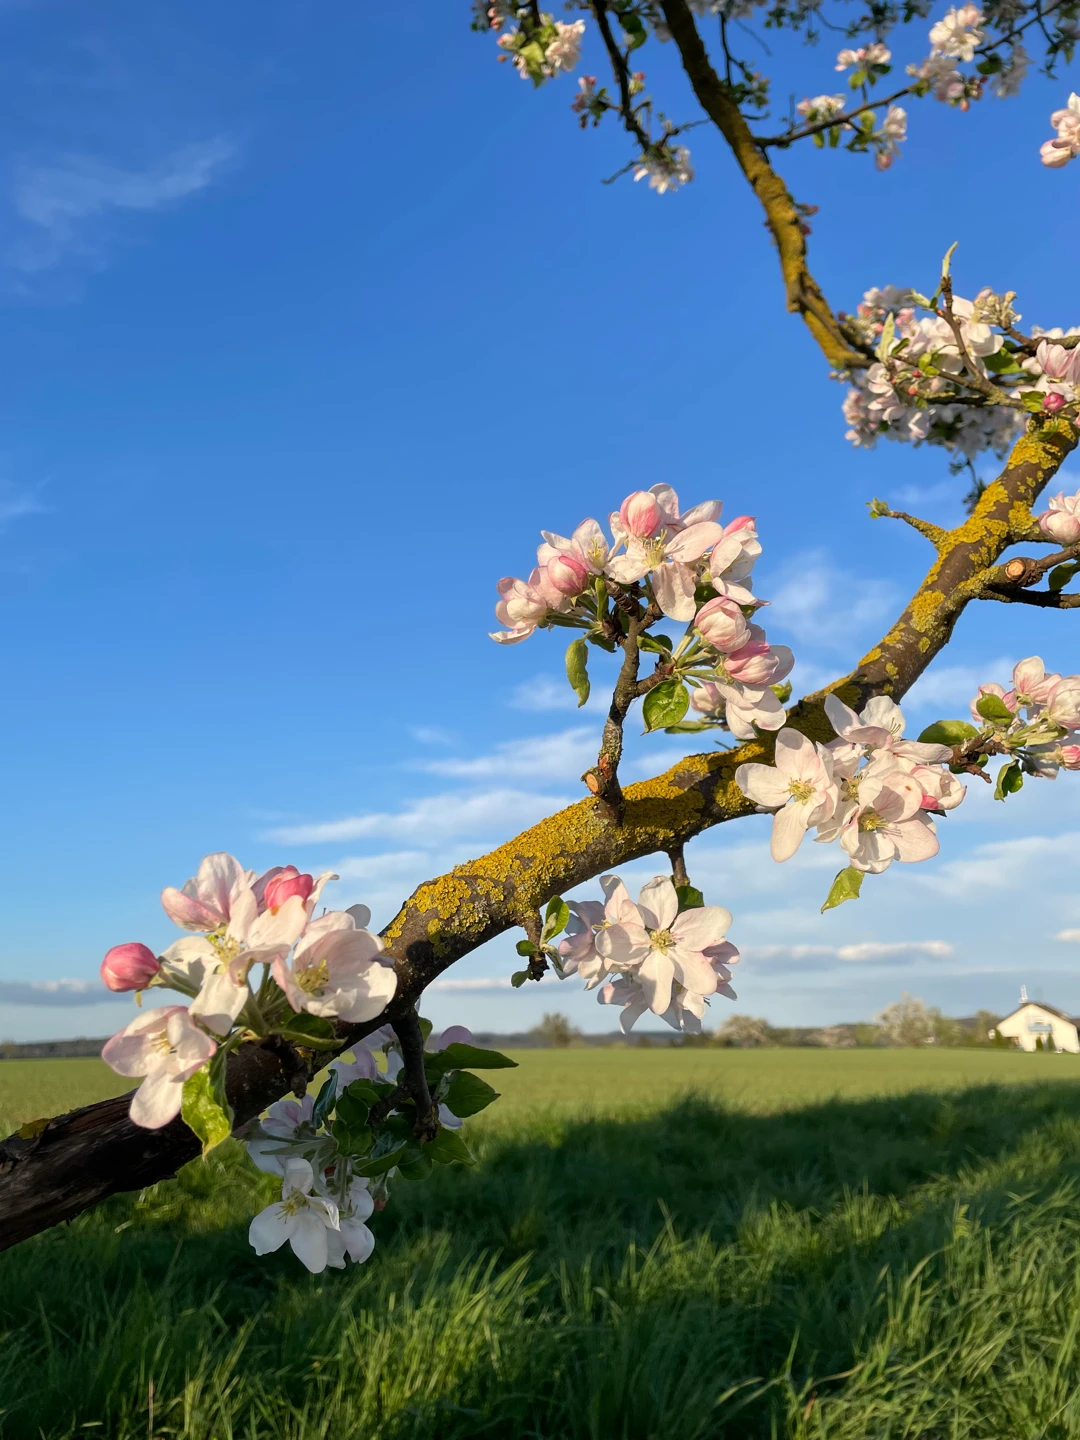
(157, 1100)
(789, 827)
(308, 1240)
(658, 903)
(673, 586)
(655, 975)
(269, 1230)
(762, 784)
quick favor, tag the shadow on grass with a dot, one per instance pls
(891, 1267)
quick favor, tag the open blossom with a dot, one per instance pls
(578, 952)
(1061, 521)
(129, 967)
(875, 54)
(666, 170)
(336, 971)
(166, 1047)
(666, 557)
(352, 1239)
(525, 605)
(821, 107)
(880, 726)
(564, 52)
(285, 1123)
(888, 823)
(958, 34)
(732, 559)
(1066, 147)
(799, 788)
(1063, 703)
(205, 900)
(588, 545)
(663, 947)
(299, 1217)
(892, 134)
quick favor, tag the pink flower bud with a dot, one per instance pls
(640, 514)
(1061, 526)
(1053, 403)
(1070, 757)
(753, 664)
(722, 624)
(285, 885)
(741, 522)
(129, 967)
(567, 574)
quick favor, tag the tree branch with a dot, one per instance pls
(804, 296)
(407, 1029)
(51, 1171)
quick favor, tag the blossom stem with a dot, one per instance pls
(407, 1029)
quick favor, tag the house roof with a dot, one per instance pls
(1040, 1005)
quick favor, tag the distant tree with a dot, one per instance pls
(909, 1021)
(556, 1030)
(985, 1021)
(745, 1031)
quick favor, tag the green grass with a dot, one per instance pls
(791, 1245)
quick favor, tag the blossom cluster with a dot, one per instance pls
(919, 388)
(683, 565)
(539, 46)
(1060, 521)
(666, 953)
(256, 961)
(1035, 723)
(870, 789)
(336, 1161)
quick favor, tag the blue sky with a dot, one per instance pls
(311, 321)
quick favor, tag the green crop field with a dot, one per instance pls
(784, 1244)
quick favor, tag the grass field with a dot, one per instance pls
(791, 1245)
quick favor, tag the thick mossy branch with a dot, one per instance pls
(804, 296)
(51, 1171)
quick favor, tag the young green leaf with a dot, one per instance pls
(947, 732)
(1010, 779)
(448, 1148)
(203, 1112)
(991, 708)
(690, 898)
(324, 1101)
(556, 917)
(1032, 400)
(525, 947)
(468, 1094)
(577, 669)
(469, 1057)
(518, 978)
(659, 644)
(385, 1153)
(1062, 574)
(665, 704)
(846, 886)
(313, 1031)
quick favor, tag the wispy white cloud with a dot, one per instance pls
(561, 756)
(1073, 936)
(953, 686)
(823, 605)
(867, 950)
(549, 692)
(64, 204)
(484, 982)
(439, 817)
(430, 735)
(18, 501)
(51, 992)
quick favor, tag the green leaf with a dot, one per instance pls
(468, 1095)
(1032, 400)
(947, 732)
(1010, 779)
(415, 1164)
(370, 1091)
(385, 1153)
(469, 1057)
(324, 1101)
(313, 1031)
(995, 710)
(665, 705)
(1062, 574)
(690, 898)
(352, 1141)
(205, 1112)
(782, 691)
(659, 644)
(946, 264)
(518, 978)
(577, 669)
(1003, 363)
(691, 727)
(448, 1148)
(877, 508)
(556, 917)
(525, 947)
(846, 886)
(425, 1027)
(888, 334)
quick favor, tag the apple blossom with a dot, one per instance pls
(888, 823)
(1061, 520)
(288, 1122)
(1070, 757)
(129, 967)
(284, 885)
(821, 107)
(666, 169)
(1066, 146)
(640, 515)
(336, 971)
(881, 726)
(662, 946)
(890, 137)
(588, 545)
(1063, 703)
(204, 901)
(352, 1238)
(668, 560)
(166, 1047)
(722, 624)
(299, 1217)
(672, 518)
(567, 574)
(958, 34)
(800, 789)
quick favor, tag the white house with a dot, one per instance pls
(1033, 1021)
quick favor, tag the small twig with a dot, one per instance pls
(678, 865)
(407, 1029)
(934, 533)
(603, 778)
